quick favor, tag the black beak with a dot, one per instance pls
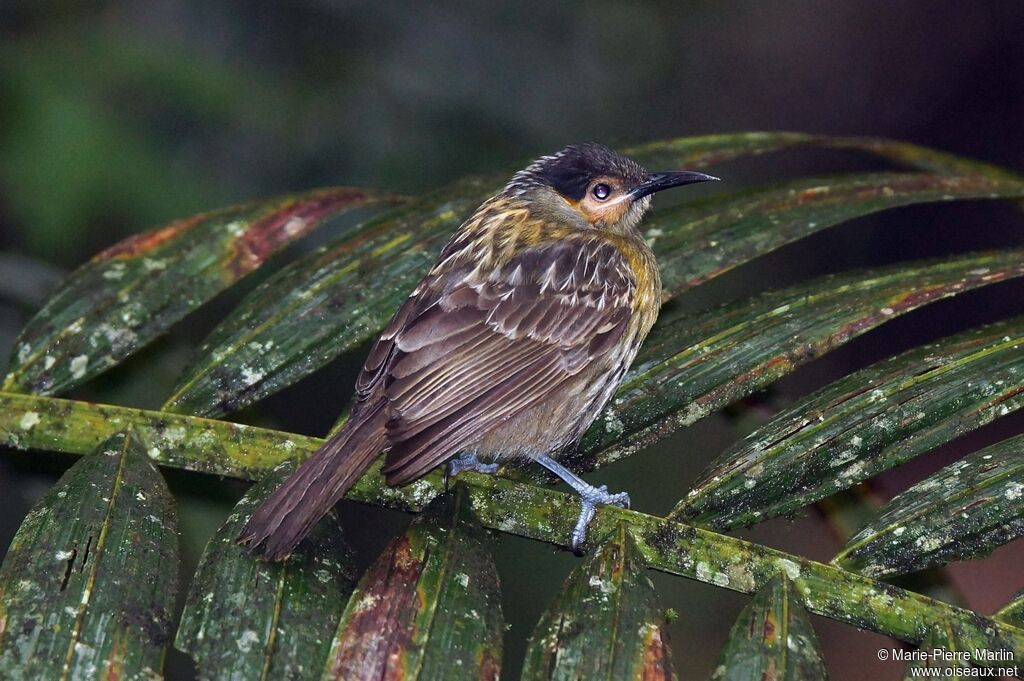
(655, 182)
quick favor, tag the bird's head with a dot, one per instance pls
(604, 189)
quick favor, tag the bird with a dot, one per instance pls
(507, 350)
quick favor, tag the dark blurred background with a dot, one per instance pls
(122, 115)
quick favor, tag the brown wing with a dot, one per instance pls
(484, 348)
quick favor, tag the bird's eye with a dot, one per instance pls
(601, 191)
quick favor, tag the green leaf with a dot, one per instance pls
(218, 447)
(925, 662)
(708, 150)
(539, 513)
(322, 304)
(428, 608)
(186, 442)
(1013, 612)
(862, 425)
(847, 511)
(735, 564)
(699, 241)
(692, 365)
(135, 290)
(772, 639)
(965, 510)
(88, 584)
(246, 618)
(606, 622)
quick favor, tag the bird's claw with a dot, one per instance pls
(467, 462)
(590, 499)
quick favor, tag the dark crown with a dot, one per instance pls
(570, 171)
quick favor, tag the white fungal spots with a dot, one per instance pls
(928, 542)
(152, 265)
(62, 555)
(295, 225)
(175, 434)
(246, 640)
(706, 574)
(235, 228)
(740, 577)
(366, 602)
(28, 420)
(1014, 491)
(605, 586)
(420, 492)
(48, 362)
(115, 271)
(117, 338)
(24, 350)
(791, 568)
(251, 376)
(854, 471)
(887, 311)
(79, 365)
(463, 579)
(842, 458)
(613, 423)
(898, 532)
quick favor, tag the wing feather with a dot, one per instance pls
(482, 349)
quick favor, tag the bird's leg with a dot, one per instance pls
(466, 461)
(591, 497)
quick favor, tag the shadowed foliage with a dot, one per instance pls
(772, 639)
(88, 585)
(605, 624)
(280, 615)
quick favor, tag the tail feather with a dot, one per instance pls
(291, 511)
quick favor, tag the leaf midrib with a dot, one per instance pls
(101, 545)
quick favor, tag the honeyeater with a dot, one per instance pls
(508, 348)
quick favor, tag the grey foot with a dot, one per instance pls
(590, 498)
(467, 462)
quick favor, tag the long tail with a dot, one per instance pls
(287, 515)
